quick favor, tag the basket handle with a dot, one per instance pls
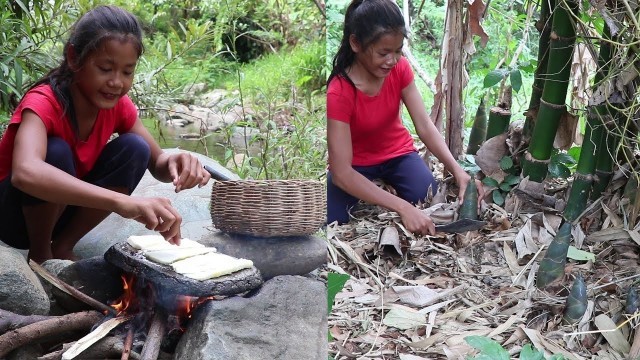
(217, 175)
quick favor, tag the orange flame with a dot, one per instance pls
(127, 298)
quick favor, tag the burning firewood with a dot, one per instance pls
(31, 333)
(151, 347)
(70, 289)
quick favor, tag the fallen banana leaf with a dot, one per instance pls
(552, 265)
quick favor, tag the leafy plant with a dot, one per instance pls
(335, 283)
(560, 163)
(497, 76)
(492, 350)
(501, 189)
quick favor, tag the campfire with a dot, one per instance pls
(151, 314)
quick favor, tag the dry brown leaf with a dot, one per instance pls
(524, 241)
(511, 259)
(403, 318)
(565, 135)
(548, 347)
(476, 11)
(418, 296)
(613, 335)
(489, 155)
(389, 237)
(609, 234)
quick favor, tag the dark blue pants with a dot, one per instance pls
(122, 163)
(408, 174)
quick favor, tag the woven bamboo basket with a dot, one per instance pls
(268, 208)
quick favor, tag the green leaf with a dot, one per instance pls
(516, 79)
(580, 255)
(505, 187)
(574, 152)
(556, 357)
(489, 349)
(498, 198)
(494, 77)
(335, 283)
(529, 353)
(563, 158)
(506, 163)
(489, 181)
(512, 179)
(559, 170)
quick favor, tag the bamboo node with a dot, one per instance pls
(530, 158)
(554, 106)
(584, 177)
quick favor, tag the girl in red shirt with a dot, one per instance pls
(60, 175)
(366, 139)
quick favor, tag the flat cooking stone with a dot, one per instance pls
(129, 259)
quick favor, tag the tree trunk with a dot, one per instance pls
(453, 76)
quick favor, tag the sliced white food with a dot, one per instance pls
(157, 242)
(188, 243)
(146, 241)
(200, 262)
(210, 266)
(168, 256)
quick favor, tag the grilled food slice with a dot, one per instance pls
(168, 256)
(210, 265)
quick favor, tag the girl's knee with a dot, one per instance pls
(60, 155)
(135, 146)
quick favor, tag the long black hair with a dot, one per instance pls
(368, 21)
(87, 34)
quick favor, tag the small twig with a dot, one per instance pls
(91, 338)
(128, 342)
(70, 289)
(614, 282)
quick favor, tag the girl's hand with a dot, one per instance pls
(155, 213)
(187, 171)
(416, 221)
(462, 180)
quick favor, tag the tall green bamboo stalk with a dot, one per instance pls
(595, 130)
(552, 103)
(544, 27)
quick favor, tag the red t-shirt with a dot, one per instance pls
(377, 133)
(42, 101)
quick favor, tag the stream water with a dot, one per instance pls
(171, 137)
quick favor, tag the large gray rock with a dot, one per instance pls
(54, 266)
(20, 290)
(285, 320)
(94, 277)
(192, 204)
(294, 255)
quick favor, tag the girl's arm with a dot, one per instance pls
(432, 138)
(354, 183)
(183, 169)
(31, 174)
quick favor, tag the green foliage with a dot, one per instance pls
(489, 349)
(501, 189)
(28, 38)
(335, 283)
(492, 350)
(497, 76)
(469, 165)
(560, 165)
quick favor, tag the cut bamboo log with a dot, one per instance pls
(70, 289)
(91, 338)
(31, 333)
